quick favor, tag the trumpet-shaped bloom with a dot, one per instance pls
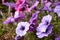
(44, 28)
(43, 31)
(46, 19)
(22, 28)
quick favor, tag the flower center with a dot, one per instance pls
(22, 27)
(47, 22)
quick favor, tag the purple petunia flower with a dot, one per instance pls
(47, 19)
(11, 4)
(22, 28)
(8, 20)
(58, 38)
(47, 30)
(33, 21)
(57, 3)
(34, 17)
(44, 28)
(33, 6)
(57, 10)
(19, 15)
(47, 6)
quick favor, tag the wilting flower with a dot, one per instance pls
(44, 28)
(11, 4)
(43, 31)
(57, 10)
(19, 3)
(22, 28)
(33, 6)
(34, 17)
(47, 7)
(8, 20)
(43, 1)
(58, 38)
(19, 15)
(33, 21)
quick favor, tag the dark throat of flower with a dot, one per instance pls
(22, 28)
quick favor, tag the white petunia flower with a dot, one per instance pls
(22, 28)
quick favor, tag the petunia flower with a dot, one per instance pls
(33, 21)
(33, 6)
(34, 17)
(19, 15)
(46, 19)
(19, 3)
(11, 4)
(44, 30)
(8, 20)
(47, 7)
(42, 27)
(57, 10)
(22, 28)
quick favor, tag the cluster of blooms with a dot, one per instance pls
(44, 28)
(21, 7)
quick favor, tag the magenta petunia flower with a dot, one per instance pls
(19, 4)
